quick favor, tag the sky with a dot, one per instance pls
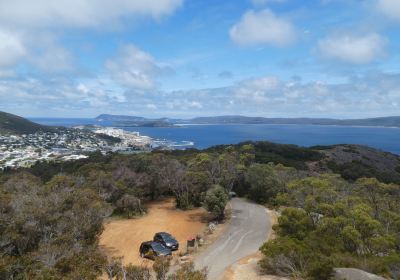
(188, 58)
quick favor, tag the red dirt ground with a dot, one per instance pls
(122, 238)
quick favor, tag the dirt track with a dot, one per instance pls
(123, 237)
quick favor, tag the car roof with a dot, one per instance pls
(150, 242)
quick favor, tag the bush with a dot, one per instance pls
(187, 272)
(294, 223)
(215, 201)
(136, 273)
(161, 267)
(285, 257)
(129, 206)
(262, 182)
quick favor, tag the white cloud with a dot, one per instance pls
(373, 94)
(26, 26)
(195, 104)
(262, 28)
(353, 49)
(134, 68)
(53, 59)
(80, 13)
(265, 83)
(151, 106)
(259, 90)
(11, 48)
(390, 8)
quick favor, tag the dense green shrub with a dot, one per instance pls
(332, 223)
(215, 201)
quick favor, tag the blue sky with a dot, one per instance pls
(182, 58)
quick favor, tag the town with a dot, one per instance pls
(67, 144)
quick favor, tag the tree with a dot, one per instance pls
(294, 223)
(208, 163)
(129, 206)
(47, 228)
(374, 191)
(263, 183)
(229, 169)
(215, 201)
(247, 154)
(309, 192)
(171, 174)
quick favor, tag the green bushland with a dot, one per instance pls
(52, 213)
(328, 222)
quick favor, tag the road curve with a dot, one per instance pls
(248, 229)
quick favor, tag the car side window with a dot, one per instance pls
(146, 249)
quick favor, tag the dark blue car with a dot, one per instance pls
(151, 250)
(167, 240)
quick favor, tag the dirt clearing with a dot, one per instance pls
(122, 238)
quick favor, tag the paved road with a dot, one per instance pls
(248, 229)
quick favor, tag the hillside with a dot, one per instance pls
(12, 124)
(350, 161)
(356, 161)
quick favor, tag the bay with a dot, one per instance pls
(204, 136)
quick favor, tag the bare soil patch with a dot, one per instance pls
(122, 238)
(248, 268)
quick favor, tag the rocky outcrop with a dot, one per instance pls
(355, 274)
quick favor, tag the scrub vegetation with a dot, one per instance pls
(52, 214)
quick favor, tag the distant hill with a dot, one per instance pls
(12, 124)
(121, 120)
(383, 121)
(118, 118)
(350, 161)
(141, 121)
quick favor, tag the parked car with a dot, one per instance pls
(232, 194)
(151, 250)
(167, 240)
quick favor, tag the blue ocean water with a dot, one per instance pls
(203, 136)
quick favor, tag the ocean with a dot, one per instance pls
(204, 136)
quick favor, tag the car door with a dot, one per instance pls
(149, 252)
(143, 250)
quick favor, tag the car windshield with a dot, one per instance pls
(167, 237)
(158, 246)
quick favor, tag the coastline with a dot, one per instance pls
(203, 135)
